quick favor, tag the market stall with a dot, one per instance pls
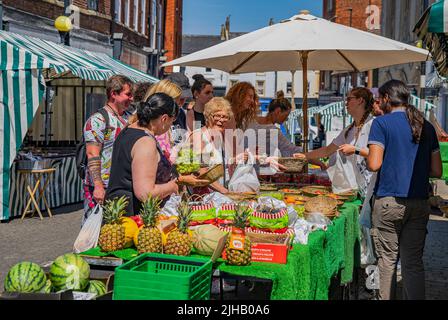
(43, 97)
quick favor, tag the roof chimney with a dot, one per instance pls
(304, 12)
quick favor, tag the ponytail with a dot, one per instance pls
(416, 121)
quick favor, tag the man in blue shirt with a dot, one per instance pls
(404, 149)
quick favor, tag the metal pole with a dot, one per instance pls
(66, 39)
(1, 14)
(293, 91)
(304, 60)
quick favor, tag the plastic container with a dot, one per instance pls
(154, 276)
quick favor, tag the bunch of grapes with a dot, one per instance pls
(187, 162)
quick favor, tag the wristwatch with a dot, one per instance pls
(357, 150)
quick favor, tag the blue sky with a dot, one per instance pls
(206, 16)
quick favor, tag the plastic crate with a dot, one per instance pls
(154, 276)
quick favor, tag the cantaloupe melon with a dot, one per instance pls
(206, 238)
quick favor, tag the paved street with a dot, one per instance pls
(42, 241)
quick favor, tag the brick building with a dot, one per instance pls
(130, 30)
(360, 14)
(173, 31)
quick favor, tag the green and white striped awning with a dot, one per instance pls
(438, 17)
(23, 62)
(42, 54)
(432, 29)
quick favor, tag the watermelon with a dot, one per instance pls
(206, 238)
(69, 271)
(25, 277)
(97, 287)
(46, 288)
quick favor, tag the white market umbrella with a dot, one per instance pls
(304, 42)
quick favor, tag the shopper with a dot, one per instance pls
(202, 90)
(352, 141)
(100, 134)
(139, 166)
(166, 140)
(270, 139)
(404, 150)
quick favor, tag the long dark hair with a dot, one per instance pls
(280, 102)
(398, 95)
(366, 94)
(157, 105)
(199, 83)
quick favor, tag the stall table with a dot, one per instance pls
(64, 186)
(310, 268)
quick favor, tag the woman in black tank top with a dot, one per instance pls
(139, 167)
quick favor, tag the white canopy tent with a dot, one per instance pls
(304, 42)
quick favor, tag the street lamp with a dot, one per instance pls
(64, 25)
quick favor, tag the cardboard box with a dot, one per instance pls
(268, 251)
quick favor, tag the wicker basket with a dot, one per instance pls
(213, 174)
(274, 238)
(242, 196)
(268, 187)
(346, 196)
(293, 165)
(323, 204)
(313, 191)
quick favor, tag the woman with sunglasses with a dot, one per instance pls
(352, 141)
(139, 166)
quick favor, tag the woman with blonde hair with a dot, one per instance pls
(174, 91)
(208, 141)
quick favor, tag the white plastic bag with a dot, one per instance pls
(90, 231)
(367, 253)
(245, 179)
(171, 206)
(342, 174)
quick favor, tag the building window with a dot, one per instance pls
(118, 10)
(92, 5)
(260, 87)
(208, 69)
(153, 23)
(127, 13)
(136, 2)
(288, 87)
(143, 26)
(329, 5)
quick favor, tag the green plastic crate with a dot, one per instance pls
(444, 151)
(154, 276)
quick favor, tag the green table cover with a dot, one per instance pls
(308, 272)
(444, 151)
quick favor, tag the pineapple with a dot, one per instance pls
(179, 241)
(150, 237)
(234, 256)
(112, 235)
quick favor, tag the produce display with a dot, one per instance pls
(150, 237)
(206, 238)
(130, 228)
(179, 241)
(25, 277)
(97, 287)
(187, 162)
(113, 232)
(238, 246)
(69, 271)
